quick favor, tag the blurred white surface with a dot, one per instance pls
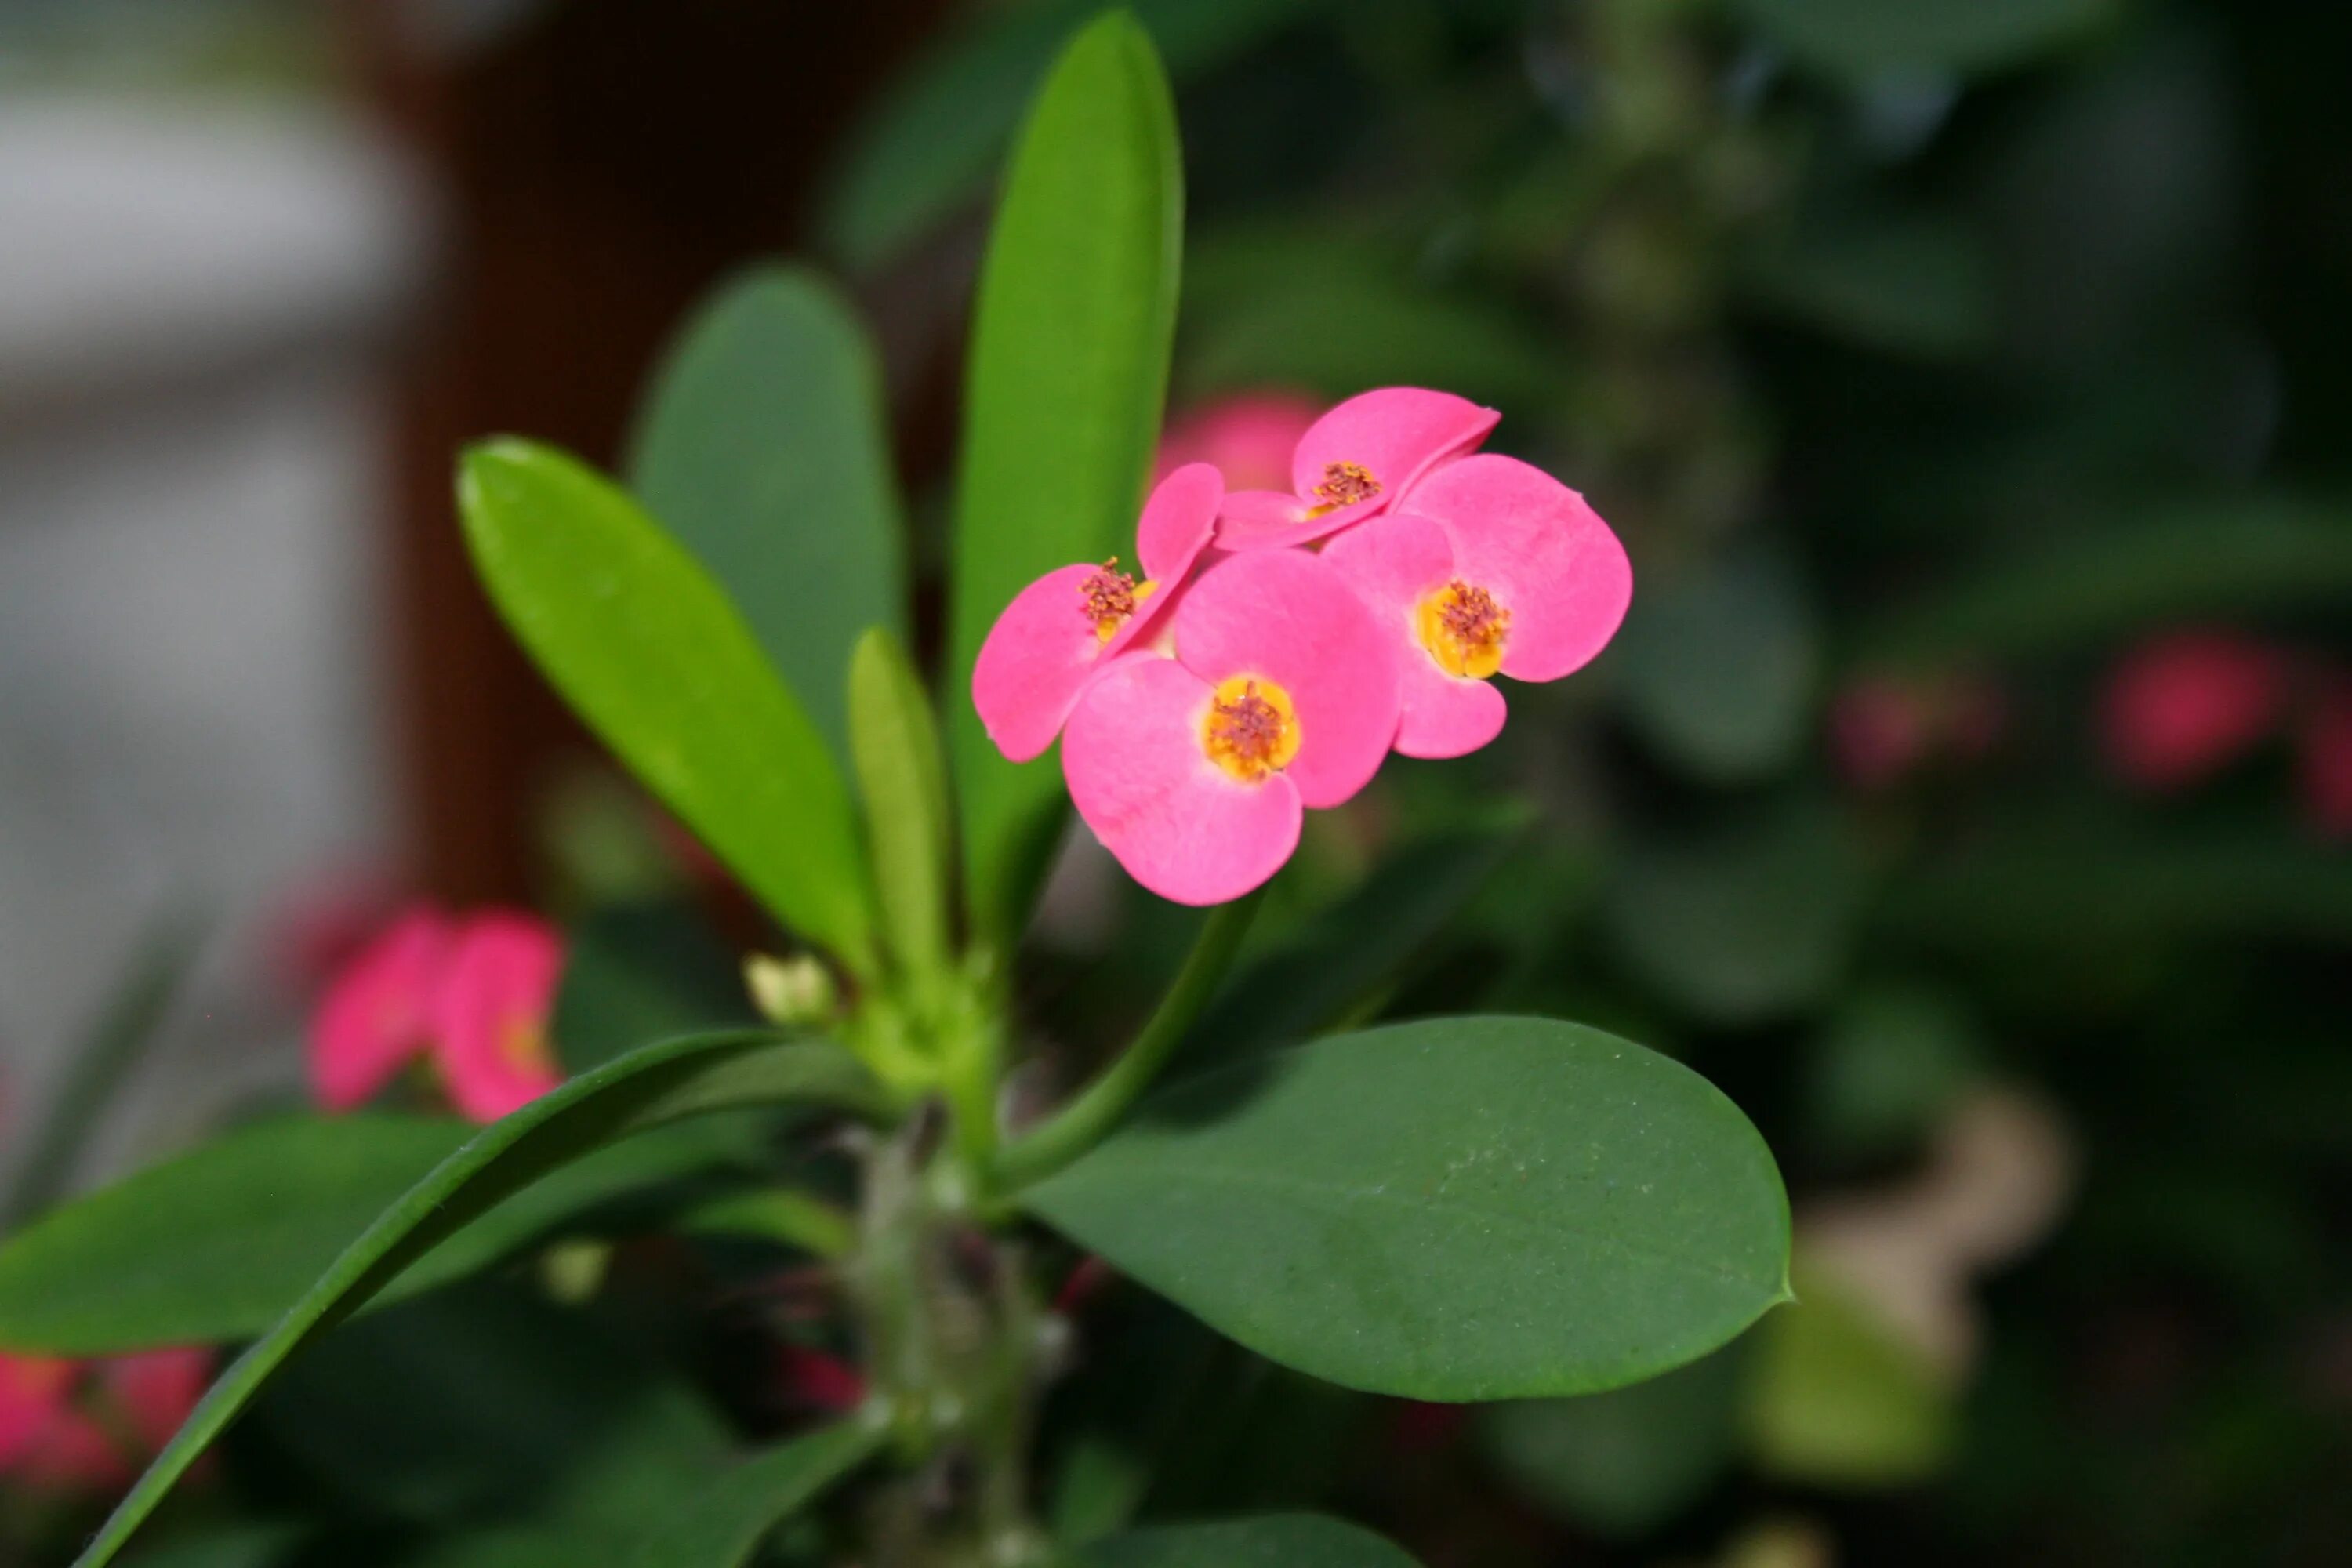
(190, 697)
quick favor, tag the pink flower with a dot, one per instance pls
(1282, 695)
(814, 1380)
(1066, 626)
(80, 1425)
(152, 1392)
(35, 1392)
(1361, 459)
(1508, 572)
(1247, 437)
(1882, 727)
(491, 1014)
(2181, 708)
(2325, 767)
(472, 999)
(378, 1013)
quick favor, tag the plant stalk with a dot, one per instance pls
(1083, 1123)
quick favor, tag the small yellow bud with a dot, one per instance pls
(790, 991)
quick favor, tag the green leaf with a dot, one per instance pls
(1744, 924)
(215, 1244)
(2268, 555)
(646, 649)
(659, 1084)
(724, 1524)
(1721, 669)
(896, 742)
(763, 448)
(1067, 373)
(1272, 1541)
(931, 143)
(1625, 1462)
(1860, 39)
(1465, 1208)
(1835, 1398)
(102, 1064)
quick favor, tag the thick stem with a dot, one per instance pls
(1080, 1124)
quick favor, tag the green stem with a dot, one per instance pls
(1080, 1124)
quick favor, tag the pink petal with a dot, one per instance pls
(1393, 563)
(1175, 527)
(2326, 765)
(33, 1392)
(1036, 658)
(2182, 707)
(1543, 553)
(1270, 520)
(377, 1016)
(1248, 436)
(493, 1013)
(1180, 824)
(74, 1453)
(1289, 617)
(1399, 433)
(155, 1390)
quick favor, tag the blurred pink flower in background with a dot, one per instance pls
(90, 1426)
(2181, 707)
(1882, 727)
(471, 998)
(814, 1380)
(1248, 436)
(2324, 744)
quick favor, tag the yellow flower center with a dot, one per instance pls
(1252, 728)
(1110, 596)
(522, 1044)
(1463, 630)
(1345, 484)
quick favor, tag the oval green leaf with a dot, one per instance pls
(1068, 368)
(763, 448)
(649, 651)
(213, 1246)
(722, 1525)
(1272, 1540)
(1459, 1209)
(647, 1089)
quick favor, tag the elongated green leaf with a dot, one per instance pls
(931, 143)
(649, 651)
(215, 1244)
(659, 1084)
(1067, 373)
(896, 742)
(1465, 1208)
(2266, 556)
(764, 448)
(1272, 1540)
(723, 1525)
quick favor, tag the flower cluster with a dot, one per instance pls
(1278, 644)
(469, 999)
(73, 1426)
